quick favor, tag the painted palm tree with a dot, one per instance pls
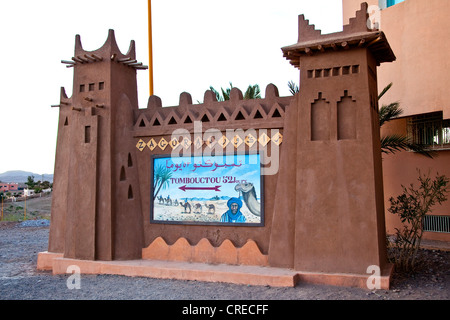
(161, 180)
(392, 143)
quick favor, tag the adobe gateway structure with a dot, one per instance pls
(271, 191)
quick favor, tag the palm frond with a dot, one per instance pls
(253, 92)
(293, 88)
(384, 90)
(226, 94)
(394, 142)
(218, 97)
(389, 112)
(421, 149)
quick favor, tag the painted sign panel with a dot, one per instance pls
(207, 190)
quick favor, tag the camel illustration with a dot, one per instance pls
(197, 208)
(249, 194)
(168, 201)
(211, 208)
(161, 200)
(186, 205)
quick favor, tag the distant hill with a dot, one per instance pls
(22, 176)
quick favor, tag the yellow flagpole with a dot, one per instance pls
(150, 46)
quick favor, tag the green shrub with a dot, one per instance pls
(411, 206)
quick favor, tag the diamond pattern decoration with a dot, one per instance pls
(264, 139)
(140, 145)
(162, 144)
(186, 143)
(174, 143)
(277, 138)
(210, 142)
(237, 141)
(223, 141)
(152, 144)
(198, 142)
(250, 140)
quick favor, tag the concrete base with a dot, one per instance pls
(237, 274)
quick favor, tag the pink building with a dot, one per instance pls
(418, 34)
(8, 187)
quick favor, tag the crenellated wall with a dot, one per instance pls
(230, 114)
(321, 161)
(246, 126)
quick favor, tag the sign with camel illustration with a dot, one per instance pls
(207, 190)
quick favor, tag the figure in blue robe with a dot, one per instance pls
(233, 214)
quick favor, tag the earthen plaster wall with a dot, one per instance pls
(270, 119)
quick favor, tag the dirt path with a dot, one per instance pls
(35, 208)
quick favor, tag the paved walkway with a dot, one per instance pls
(435, 245)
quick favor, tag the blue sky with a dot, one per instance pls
(196, 44)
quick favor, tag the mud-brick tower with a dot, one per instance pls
(335, 223)
(96, 209)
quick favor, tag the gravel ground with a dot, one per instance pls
(19, 280)
(21, 284)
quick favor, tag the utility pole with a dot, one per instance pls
(150, 46)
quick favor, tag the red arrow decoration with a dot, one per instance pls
(184, 188)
